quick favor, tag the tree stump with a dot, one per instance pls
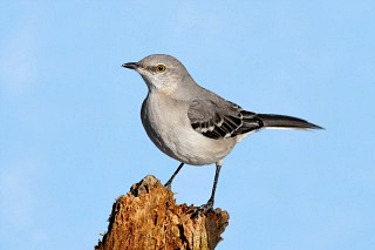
(148, 217)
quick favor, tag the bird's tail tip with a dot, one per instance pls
(283, 121)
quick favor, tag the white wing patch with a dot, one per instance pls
(210, 120)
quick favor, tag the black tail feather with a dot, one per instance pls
(283, 121)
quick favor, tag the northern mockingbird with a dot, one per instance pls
(194, 125)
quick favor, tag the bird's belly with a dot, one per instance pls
(177, 139)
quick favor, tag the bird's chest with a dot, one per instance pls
(168, 126)
(165, 121)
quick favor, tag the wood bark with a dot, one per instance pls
(148, 217)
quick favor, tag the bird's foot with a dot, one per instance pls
(168, 186)
(202, 209)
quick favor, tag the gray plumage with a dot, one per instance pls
(194, 125)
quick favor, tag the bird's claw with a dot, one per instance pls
(168, 186)
(202, 209)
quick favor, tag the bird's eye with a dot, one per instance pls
(160, 68)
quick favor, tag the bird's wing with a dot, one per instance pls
(221, 119)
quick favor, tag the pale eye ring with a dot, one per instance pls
(160, 68)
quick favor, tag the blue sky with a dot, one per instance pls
(72, 140)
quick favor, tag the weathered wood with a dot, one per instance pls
(148, 218)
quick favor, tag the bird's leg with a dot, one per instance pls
(210, 204)
(168, 184)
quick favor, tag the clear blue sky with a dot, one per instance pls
(72, 140)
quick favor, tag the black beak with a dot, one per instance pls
(131, 65)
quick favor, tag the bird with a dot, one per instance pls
(193, 125)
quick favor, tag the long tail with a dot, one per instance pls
(283, 121)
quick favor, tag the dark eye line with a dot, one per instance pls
(155, 68)
(152, 68)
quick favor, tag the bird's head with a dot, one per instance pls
(161, 72)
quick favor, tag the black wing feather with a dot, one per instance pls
(217, 122)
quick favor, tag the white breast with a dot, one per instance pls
(168, 126)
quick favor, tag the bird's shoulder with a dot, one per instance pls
(217, 118)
